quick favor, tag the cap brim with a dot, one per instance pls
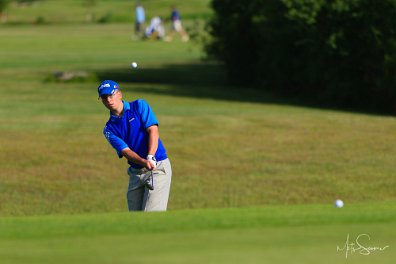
(107, 91)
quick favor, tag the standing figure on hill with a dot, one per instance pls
(140, 18)
(132, 130)
(176, 26)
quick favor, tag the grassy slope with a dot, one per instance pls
(74, 11)
(239, 148)
(54, 160)
(276, 234)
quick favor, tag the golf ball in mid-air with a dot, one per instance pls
(134, 65)
(339, 203)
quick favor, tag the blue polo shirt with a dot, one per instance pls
(129, 130)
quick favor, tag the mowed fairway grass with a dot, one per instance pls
(272, 234)
(275, 168)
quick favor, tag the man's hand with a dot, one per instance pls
(151, 163)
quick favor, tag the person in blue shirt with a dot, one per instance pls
(132, 130)
(176, 26)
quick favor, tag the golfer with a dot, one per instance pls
(132, 130)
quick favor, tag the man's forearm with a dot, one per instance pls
(133, 157)
(153, 136)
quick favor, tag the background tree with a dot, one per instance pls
(3, 6)
(335, 52)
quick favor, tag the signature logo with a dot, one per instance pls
(358, 246)
(130, 120)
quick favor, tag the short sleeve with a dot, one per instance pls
(117, 143)
(146, 114)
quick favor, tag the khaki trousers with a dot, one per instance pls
(140, 198)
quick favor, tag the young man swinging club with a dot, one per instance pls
(132, 130)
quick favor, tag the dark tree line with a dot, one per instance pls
(337, 52)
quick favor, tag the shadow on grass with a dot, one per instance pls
(177, 74)
(208, 80)
(200, 80)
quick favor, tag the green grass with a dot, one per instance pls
(275, 234)
(275, 167)
(114, 11)
(229, 147)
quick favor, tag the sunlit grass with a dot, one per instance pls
(114, 11)
(271, 234)
(228, 146)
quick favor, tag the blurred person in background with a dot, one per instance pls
(156, 29)
(176, 26)
(140, 18)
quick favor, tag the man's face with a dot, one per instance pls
(112, 101)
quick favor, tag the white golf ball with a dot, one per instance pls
(339, 203)
(134, 65)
